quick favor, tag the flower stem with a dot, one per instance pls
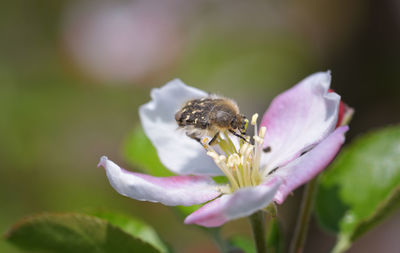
(257, 221)
(300, 234)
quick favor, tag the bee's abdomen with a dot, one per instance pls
(194, 113)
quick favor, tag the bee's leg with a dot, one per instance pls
(237, 135)
(213, 139)
(194, 137)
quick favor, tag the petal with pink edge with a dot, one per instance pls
(241, 203)
(170, 191)
(310, 164)
(298, 119)
(179, 153)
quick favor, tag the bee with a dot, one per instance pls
(209, 116)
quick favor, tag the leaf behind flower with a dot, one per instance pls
(362, 187)
(79, 233)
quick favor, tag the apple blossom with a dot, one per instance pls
(299, 135)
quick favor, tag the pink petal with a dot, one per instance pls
(170, 191)
(241, 203)
(298, 119)
(310, 164)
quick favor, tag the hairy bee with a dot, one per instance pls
(209, 116)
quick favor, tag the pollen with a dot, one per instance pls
(205, 142)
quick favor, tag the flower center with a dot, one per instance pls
(240, 163)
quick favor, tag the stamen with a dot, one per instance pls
(231, 146)
(223, 166)
(224, 145)
(233, 163)
(254, 119)
(262, 132)
(247, 154)
(239, 164)
(254, 123)
(232, 160)
(225, 189)
(221, 158)
(246, 165)
(258, 139)
(258, 143)
(244, 148)
(243, 162)
(213, 154)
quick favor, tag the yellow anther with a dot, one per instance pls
(204, 142)
(254, 119)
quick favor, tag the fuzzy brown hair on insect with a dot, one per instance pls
(210, 115)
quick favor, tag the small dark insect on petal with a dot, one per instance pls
(267, 149)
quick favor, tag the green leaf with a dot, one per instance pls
(362, 187)
(76, 233)
(139, 151)
(221, 180)
(134, 227)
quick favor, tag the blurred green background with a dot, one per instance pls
(73, 73)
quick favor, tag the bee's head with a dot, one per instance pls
(239, 122)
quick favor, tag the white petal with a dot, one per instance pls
(298, 119)
(171, 191)
(177, 152)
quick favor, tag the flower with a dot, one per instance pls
(297, 138)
